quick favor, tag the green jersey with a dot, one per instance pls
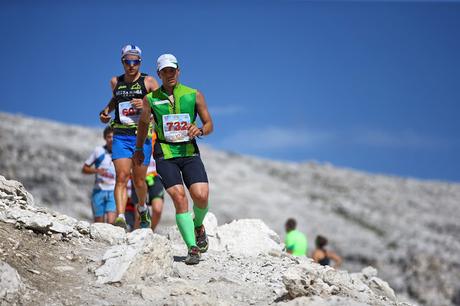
(296, 242)
(172, 116)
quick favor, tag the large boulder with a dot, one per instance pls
(11, 285)
(309, 279)
(210, 223)
(13, 192)
(145, 256)
(246, 237)
(107, 233)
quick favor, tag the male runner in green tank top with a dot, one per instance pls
(174, 108)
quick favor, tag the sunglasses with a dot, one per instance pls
(132, 62)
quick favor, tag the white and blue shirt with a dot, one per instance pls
(101, 158)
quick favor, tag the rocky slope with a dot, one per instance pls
(406, 228)
(47, 258)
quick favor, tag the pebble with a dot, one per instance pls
(34, 271)
(64, 268)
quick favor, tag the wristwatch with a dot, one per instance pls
(202, 133)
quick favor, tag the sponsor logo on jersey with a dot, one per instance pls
(128, 93)
(136, 86)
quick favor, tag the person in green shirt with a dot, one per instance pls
(175, 108)
(295, 241)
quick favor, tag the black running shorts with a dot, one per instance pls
(192, 170)
(156, 191)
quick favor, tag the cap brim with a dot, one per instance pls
(131, 53)
(172, 65)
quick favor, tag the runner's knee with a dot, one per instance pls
(200, 195)
(180, 200)
(156, 210)
(139, 183)
(122, 177)
(179, 197)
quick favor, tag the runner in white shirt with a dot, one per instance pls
(103, 202)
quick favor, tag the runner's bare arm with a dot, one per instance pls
(205, 117)
(90, 170)
(142, 130)
(150, 83)
(144, 120)
(336, 258)
(104, 114)
(315, 255)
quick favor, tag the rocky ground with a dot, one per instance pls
(47, 258)
(406, 228)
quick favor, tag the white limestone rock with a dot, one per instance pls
(210, 224)
(15, 191)
(309, 279)
(247, 237)
(107, 233)
(382, 288)
(30, 220)
(11, 284)
(83, 227)
(38, 222)
(144, 256)
(319, 301)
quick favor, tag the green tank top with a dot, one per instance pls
(296, 242)
(171, 120)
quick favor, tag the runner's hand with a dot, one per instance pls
(103, 172)
(138, 158)
(137, 103)
(104, 117)
(193, 131)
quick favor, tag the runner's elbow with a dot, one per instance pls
(210, 128)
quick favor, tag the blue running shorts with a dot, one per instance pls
(123, 147)
(103, 202)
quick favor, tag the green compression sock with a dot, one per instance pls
(185, 224)
(200, 213)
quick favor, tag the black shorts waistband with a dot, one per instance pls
(121, 131)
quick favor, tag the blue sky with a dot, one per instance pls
(367, 85)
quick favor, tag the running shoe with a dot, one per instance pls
(145, 218)
(193, 256)
(201, 239)
(120, 222)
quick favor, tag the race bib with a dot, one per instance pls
(128, 113)
(175, 127)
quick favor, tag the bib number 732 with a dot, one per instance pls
(175, 127)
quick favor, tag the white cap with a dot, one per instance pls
(167, 60)
(131, 50)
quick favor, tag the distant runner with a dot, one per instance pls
(295, 241)
(128, 91)
(323, 256)
(102, 200)
(175, 107)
